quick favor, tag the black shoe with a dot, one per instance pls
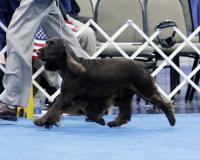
(6, 113)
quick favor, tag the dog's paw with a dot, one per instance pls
(113, 124)
(88, 119)
(118, 122)
(39, 122)
(100, 121)
(171, 116)
(49, 123)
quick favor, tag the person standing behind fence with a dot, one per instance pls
(20, 35)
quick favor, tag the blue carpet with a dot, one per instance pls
(146, 137)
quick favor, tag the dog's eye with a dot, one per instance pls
(51, 44)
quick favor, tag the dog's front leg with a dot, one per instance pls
(52, 117)
(125, 111)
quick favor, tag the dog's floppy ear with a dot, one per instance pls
(74, 66)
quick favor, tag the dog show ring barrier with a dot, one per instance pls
(148, 41)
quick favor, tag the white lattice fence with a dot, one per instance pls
(149, 40)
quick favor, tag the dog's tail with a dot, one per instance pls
(150, 64)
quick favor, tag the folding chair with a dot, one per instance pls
(176, 11)
(110, 16)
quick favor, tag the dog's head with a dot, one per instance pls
(57, 54)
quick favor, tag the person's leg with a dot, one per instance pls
(87, 38)
(54, 26)
(20, 35)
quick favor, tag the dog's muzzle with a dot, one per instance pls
(39, 53)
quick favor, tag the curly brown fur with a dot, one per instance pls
(94, 85)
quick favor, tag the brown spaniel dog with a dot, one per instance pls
(92, 86)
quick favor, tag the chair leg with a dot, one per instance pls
(190, 88)
(174, 76)
(196, 81)
(177, 62)
(172, 79)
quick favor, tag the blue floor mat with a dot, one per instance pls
(146, 137)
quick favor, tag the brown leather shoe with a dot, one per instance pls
(7, 113)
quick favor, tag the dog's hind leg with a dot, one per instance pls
(145, 87)
(94, 113)
(165, 105)
(95, 118)
(152, 95)
(125, 111)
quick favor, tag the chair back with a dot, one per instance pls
(112, 14)
(161, 10)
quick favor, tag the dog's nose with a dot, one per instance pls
(38, 52)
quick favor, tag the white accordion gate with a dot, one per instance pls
(149, 40)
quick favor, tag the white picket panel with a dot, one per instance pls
(149, 40)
